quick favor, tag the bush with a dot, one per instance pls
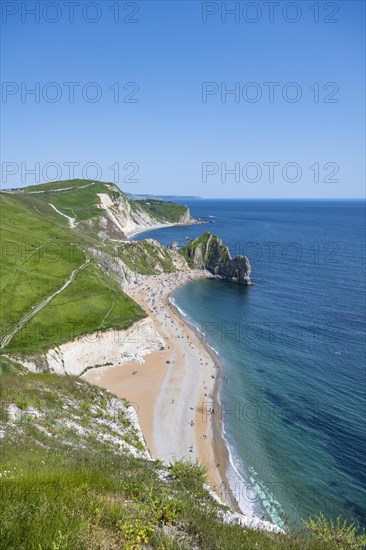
(339, 534)
(187, 471)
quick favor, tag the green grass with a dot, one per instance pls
(162, 211)
(39, 251)
(37, 256)
(64, 492)
(80, 202)
(54, 185)
(7, 366)
(93, 301)
(145, 258)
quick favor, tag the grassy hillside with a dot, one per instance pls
(52, 289)
(145, 258)
(161, 210)
(40, 253)
(74, 474)
(79, 200)
(92, 302)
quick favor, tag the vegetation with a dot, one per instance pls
(338, 534)
(43, 250)
(162, 211)
(37, 256)
(39, 253)
(7, 366)
(146, 258)
(74, 474)
(92, 302)
(79, 200)
(211, 247)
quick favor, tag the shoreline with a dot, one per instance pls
(133, 232)
(172, 397)
(219, 445)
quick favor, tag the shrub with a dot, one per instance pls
(339, 534)
(187, 471)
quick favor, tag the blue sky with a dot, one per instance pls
(169, 140)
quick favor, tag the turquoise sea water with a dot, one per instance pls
(293, 349)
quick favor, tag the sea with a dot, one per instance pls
(292, 346)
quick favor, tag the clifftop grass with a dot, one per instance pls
(79, 199)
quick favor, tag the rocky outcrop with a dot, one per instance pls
(238, 270)
(209, 252)
(114, 267)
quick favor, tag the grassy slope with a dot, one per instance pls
(92, 302)
(80, 200)
(40, 251)
(145, 258)
(63, 487)
(161, 210)
(38, 254)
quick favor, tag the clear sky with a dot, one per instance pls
(173, 130)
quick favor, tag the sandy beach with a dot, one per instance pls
(132, 232)
(174, 390)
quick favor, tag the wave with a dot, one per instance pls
(248, 491)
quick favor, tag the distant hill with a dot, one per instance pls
(103, 208)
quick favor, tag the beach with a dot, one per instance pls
(135, 231)
(175, 390)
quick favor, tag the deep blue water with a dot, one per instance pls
(293, 348)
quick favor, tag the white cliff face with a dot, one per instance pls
(123, 216)
(112, 347)
(114, 266)
(129, 220)
(186, 217)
